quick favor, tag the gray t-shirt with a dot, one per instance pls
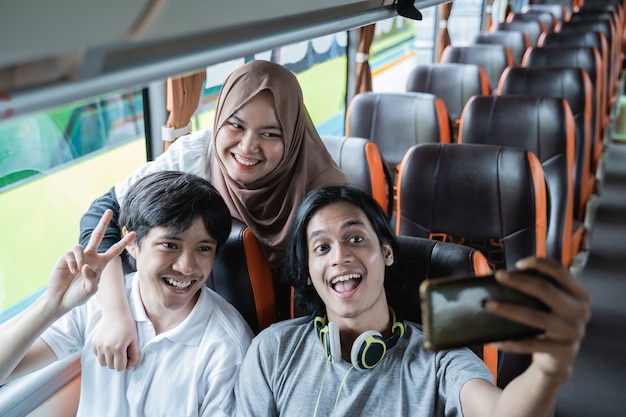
(286, 372)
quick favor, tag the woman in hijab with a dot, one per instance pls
(263, 156)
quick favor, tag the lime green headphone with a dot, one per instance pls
(369, 347)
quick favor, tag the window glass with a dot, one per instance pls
(52, 165)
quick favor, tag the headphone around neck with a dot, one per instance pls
(368, 348)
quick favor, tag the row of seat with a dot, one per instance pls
(506, 190)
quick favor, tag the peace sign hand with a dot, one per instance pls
(76, 275)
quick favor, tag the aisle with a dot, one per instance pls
(598, 386)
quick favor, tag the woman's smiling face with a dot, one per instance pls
(250, 142)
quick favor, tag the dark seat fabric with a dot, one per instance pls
(242, 276)
(533, 28)
(544, 126)
(397, 121)
(557, 10)
(574, 85)
(488, 197)
(547, 19)
(517, 42)
(588, 59)
(494, 58)
(501, 189)
(361, 161)
(595, 40)
(454, 83)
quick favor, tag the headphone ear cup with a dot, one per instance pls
(334, 342)
(368, 350)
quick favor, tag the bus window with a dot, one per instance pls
(399, 45)
(52, 165)
(319, 65)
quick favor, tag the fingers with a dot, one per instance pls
(133, 355)
(98, 233)
(119, 247)
(568, 303)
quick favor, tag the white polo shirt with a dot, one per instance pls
(186, 371)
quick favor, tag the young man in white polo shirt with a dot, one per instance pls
(192, 341)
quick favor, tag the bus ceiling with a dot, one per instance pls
(63, 53)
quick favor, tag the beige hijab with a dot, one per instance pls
(268, 204)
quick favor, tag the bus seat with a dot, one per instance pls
(454, 83)
(574, 85)
(361, 161)
(595, 40)
(606, 28)
(559, 11)
(544, 126)
(588, 59)
(547, 19)
(517, 42)
(533, 28)
(491, 198)
(243, 277)
(494, 58)
(397, 121)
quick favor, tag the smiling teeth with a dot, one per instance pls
(178, 284)
(345, 278)
(245, 161)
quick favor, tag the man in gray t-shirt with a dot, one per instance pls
(354, 358)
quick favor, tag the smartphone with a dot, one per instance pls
(453, 314)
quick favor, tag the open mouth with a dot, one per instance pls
(346, 283)
(181, 285)
(245, 161)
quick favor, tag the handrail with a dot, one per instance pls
(23, 395)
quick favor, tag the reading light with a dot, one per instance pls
(406, 8)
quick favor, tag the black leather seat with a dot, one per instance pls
(488, 197)
(517, 42)
(494, 58)
(544, 126)
(574, 85)
(243, 277)
(533, 28)
(453, 83)
(397, 121)
(361, 161)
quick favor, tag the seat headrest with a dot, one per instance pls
(243, 277)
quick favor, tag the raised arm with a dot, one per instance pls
(115, 347)
(534, 392)
(73, 280)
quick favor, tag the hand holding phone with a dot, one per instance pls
(453, 311)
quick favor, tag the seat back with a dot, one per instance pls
(517, 42)
(501, 189)
(544, 126)
(422, 259)
(363, 165)
(606, 28)
(453, 83)
(494, 58)
(397, 121)
(547, 19)
(595, 40)
(533, 28)
(243, 277)
(588, 59)
(574, 85)
(488, 197)
(557, 10)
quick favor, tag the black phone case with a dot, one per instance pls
(453, 313)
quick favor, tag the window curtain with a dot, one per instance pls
(363, 70)
(443, 37)
(489, 15)
(183, 96)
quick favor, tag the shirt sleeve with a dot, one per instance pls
(253, 394)
(90, 220)
(456, 368)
